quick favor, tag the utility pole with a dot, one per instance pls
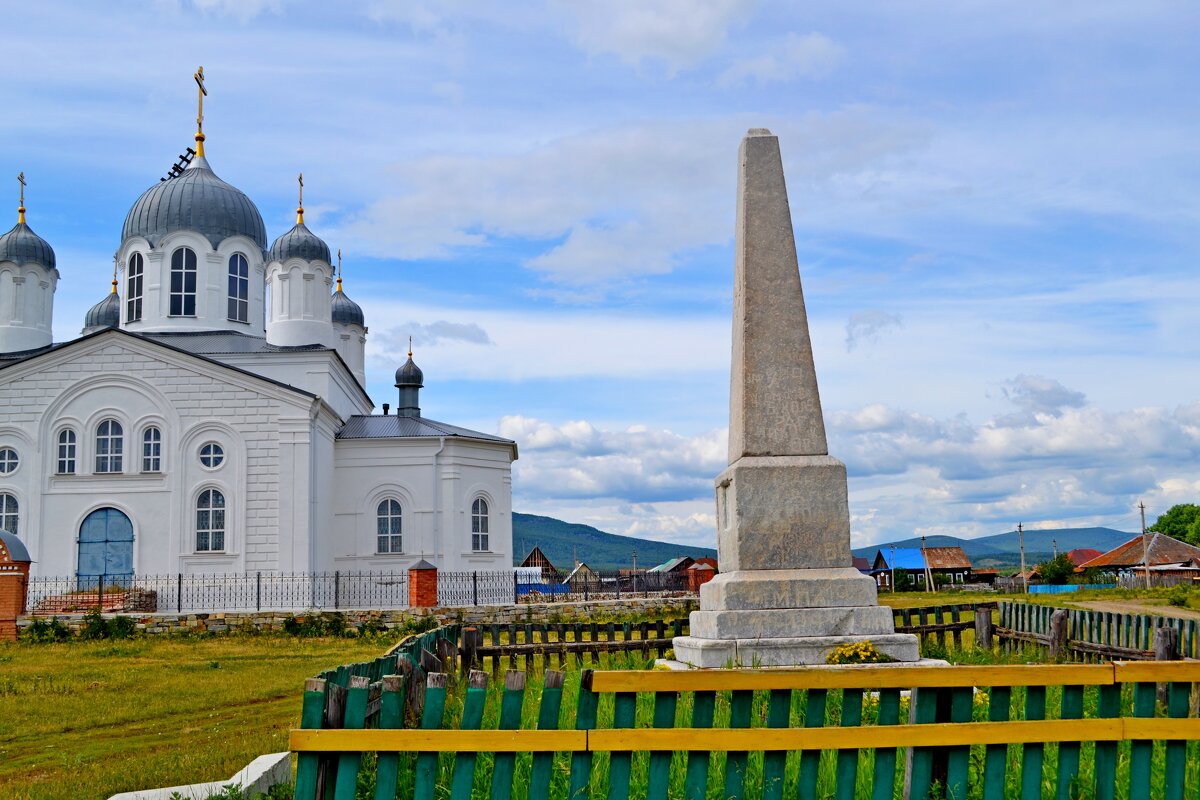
(1054, 545)
(928, 572)
(1021, 542)
(892, 565)
(1145, 545)
(635, 559)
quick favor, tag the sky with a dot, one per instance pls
(995, 207)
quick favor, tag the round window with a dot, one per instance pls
(8, 460)
(211, 455)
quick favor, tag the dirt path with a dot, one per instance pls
(1138, 607)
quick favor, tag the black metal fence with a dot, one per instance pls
(327, 591)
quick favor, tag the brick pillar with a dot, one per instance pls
(422, 585)
(14, 582)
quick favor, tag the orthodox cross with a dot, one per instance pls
(21, 207)
(339, 286)
(300, 207)
(200, 95)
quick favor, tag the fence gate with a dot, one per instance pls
(105, 548)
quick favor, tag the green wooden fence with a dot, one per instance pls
(1125, 730)
(1097, 634)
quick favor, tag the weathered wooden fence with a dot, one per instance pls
(1096, 635)
(586, 642)
(1062, 731)
(935, 622)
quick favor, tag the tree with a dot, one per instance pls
(1058, 570)
(1180, 522)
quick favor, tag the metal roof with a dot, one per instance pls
(947, 558)
(195, 201)
(105, 314)
(905, 558)
(22, 246)
(410, 374)
(300, 243)
(224, 343)
(393, 427)
(1163, 550)
(15, 547)
(345, 311)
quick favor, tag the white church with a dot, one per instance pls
(212, 416)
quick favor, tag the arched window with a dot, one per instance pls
(210, 521)
(66, 452)
(133, 288)
(239, 288)
(479, 524)
(183, 283)
(389, 528)
(8, 513)
(152, 450)
(110, 446)
(8, 460)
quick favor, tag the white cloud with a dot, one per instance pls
(242, 10)
(1037, 394)
(812, 55)
(396, 339)
(680, 33)
(866, 327)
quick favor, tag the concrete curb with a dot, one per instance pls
(258, 776)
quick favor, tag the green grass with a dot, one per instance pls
(89, 719)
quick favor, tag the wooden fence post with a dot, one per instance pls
(1058, 634)
(983, 629)
(1166, 644)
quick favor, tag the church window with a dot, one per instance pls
(210, 521)
(8, 460)
(239, 288)
(388, 517)
(212, 455)
(133, 288)
(110, 446)
(479, 524)
(183, 283)
(66, 452)
(8, 513)
(152, 450)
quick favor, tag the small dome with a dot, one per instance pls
(195, 201)
(105, 314)
(410, 374)
(301, 243)
(22, 246)
(347, 312)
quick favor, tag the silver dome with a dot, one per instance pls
(105, 314)
(345, 311)
(196, 201)
(301, 243)
(22, 246)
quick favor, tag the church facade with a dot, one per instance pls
(212, 416)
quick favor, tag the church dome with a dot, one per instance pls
(300, 243)
(197, 201)
(410, 374)
(105, 314)
(22, 246)
(347, 312)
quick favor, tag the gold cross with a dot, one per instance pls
(21, 207)
(200, 95)
(339, 286)
(410, 348)
(300, 208)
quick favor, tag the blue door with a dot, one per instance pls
(105, 548)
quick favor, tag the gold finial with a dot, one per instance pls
(114, 285)
(199, 76)
(300, 208)
(410, 348)
(21, 207)
(339, 288)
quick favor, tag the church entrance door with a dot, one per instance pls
(105, 548)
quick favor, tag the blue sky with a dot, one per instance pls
(996, 210)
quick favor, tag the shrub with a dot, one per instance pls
(327, 623)
(95, 626)
(1178, 596)
(857, 653)
(42, 631)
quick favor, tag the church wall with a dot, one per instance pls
(137, 384)
(313, 371)
(26, 306)
(435, 480)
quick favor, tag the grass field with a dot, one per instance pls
(88, 719)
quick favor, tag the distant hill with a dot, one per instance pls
(594, 547)
(1003, 549)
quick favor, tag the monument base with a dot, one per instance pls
(785, 651)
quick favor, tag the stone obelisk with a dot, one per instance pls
(787, 592)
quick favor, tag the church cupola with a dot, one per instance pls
(409, 380)
(106, 313)
(349, 329)
(299, 276)
(28, 278)
(192, 250)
